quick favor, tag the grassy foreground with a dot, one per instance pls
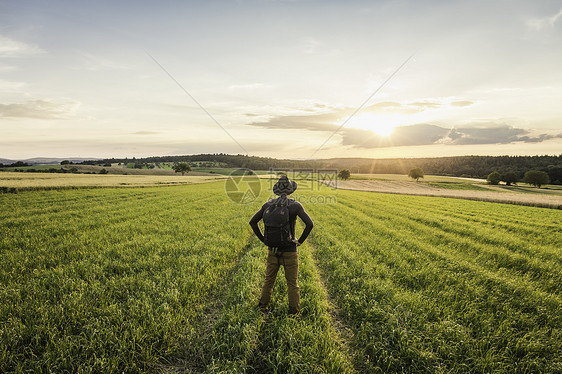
(167, 279)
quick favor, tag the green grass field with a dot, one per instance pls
(33, 167)
(458, 186)
(166, 279)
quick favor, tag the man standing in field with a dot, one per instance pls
(279, 217)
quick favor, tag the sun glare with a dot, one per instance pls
(380, 124)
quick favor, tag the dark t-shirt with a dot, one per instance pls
(295, 210)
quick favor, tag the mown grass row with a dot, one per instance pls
(519, 255)
(426, 291)
(244, 339)
(111, 280)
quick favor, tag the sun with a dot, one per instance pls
(380, 124)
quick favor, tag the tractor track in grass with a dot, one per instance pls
(196, 356)
(473, 249)
(318, 316)
(344, 332)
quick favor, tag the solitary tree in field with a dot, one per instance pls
(416, 173)
(536, 178)
(344, 174)
(181, 167)
(510, 178)
(494, 178)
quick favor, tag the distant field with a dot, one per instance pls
(227, 171)
(549, 196)
(403, 177)
(167, 280)
(123, 169)
(221, 171)
(429, 180)
(47, 180)
(36, 167)
(551, 189)
(458, 183)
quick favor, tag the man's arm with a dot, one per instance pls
(308, 224)
(254, 223)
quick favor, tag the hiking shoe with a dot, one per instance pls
(264, 308)
(294, 312)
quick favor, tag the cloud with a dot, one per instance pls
(309, 45)
(7, 68)
(427, 134)
(249, 87)
(539, 138)
(414, 106)
(462, 103)
(97, 63)
(420, 134)
(13, 48)
(8, 86)
(38, 109)
(541, 23)
(145, 133)
(426, 105)
(384, 106)
(494, 132)
(315, 122)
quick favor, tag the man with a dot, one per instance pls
(285, 254)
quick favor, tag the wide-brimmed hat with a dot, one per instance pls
(284, 186)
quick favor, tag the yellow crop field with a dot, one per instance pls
(47, 180)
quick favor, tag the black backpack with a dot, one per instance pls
(277, 224)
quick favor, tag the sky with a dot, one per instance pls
(284, 79)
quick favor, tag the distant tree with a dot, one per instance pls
(494, 178)
(536, 178)
(181, 167)
(19, 163)
(344, 174)
(65, 162)
(108, 164)
(510, 178)
(137, 165)
(103, 171)
(416, 173)
(74, 170)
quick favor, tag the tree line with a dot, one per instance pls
(232, 161)
(458, 166)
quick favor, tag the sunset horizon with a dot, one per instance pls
(293, 80)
